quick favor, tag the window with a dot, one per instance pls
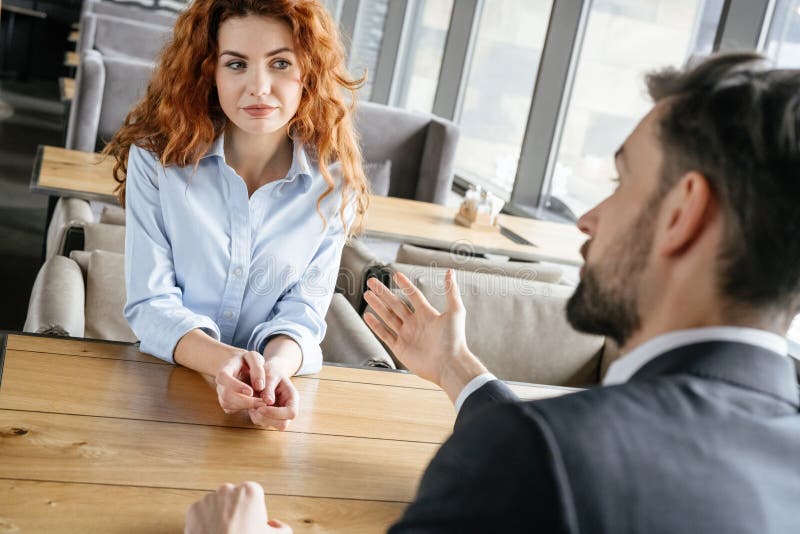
(367, 38)
(418, 75)
(499, 87)
(624, 40)
(783, 40)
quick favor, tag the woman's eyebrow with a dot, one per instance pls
(268, 54)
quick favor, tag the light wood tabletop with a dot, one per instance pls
(432, 225)
(74, 36)
(97, 436)
(66, 88)
(72, 59)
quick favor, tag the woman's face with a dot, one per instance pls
(258, 77)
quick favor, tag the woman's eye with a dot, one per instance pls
(236, 65)
(281, 64)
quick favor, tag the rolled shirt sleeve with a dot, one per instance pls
(300, 311)
(154, 308)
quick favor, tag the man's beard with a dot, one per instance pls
(606, 301)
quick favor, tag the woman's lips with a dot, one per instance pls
(259, 111)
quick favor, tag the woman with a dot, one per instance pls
(234, 221)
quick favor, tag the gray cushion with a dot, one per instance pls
(348, 339)
(121, 38)
(127, 11)
(420, 146)
(517, 327)
(356, 262)
(439, 258)
(105, 298)
(379, 175)
(105, 91)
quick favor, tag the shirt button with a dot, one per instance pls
(238, 271)
(228, 314)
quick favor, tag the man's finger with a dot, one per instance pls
(392, 301)
(257, 375)
(454, 302)
(387, 315)
(380, 329)
(411, 291)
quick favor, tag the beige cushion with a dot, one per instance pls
(113, 215)
(356, 261)
(81, 257)
(99, 236)
(414, 255)
(348, 340)
(56, 304)
(105, 298)
(517, 327)
(69, 212)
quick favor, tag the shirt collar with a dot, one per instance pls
(301, 167)
(625, 367)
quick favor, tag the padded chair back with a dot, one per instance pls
(129, 12)
(517, 327)
(115, 37)
(106, 89)
(420, 146)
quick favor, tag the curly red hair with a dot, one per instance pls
(180, 116)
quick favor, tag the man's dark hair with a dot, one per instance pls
(738, 123)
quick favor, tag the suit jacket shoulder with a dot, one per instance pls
(495, 474)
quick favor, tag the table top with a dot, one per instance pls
(96, 436)
(432, 225)
(72, 59)
(88, 175)
(66, 87)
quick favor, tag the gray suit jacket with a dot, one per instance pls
(703, 439)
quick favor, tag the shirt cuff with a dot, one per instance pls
(472, 386)
(310, 352)
(162, 345)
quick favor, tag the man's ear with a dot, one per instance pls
(686, 211)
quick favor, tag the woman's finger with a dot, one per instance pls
(226, 377)
(255, 362)
(271, 383)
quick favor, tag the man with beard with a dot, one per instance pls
(693, 267)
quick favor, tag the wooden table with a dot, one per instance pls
(431, 225)
(97, 437)
(66, 88)
(62, 172)
(72, 59)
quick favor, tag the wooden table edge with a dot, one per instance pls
(444, 244)
(3, 344)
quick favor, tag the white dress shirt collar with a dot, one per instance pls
(626, 366)
(300, 163)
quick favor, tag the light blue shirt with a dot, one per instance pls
(200, 254)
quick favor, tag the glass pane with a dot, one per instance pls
(783, 41)
(419, 74)
(498, 93)
(367, 41)
(624, 40)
